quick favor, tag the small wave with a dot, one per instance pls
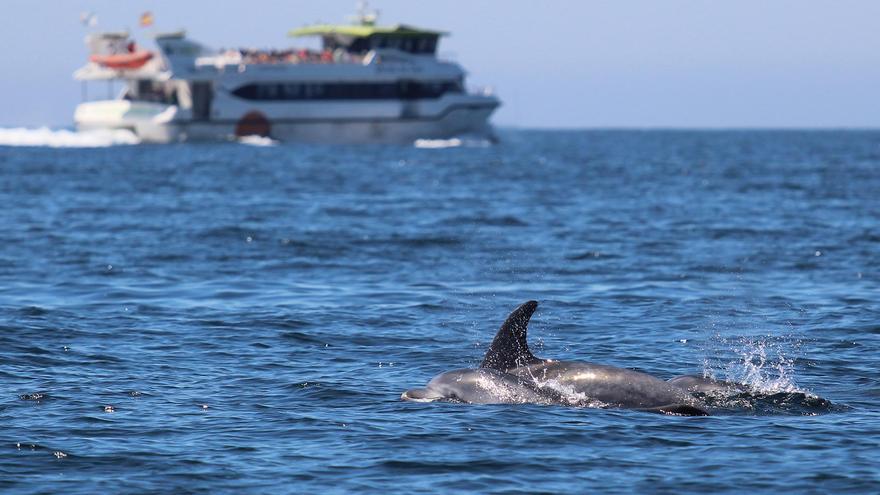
(35, 396)
(424, 241)
(591, 255)
(451, 143)
(254, 140)
(33, 311)
(63, 138)
(494, 221)
(302, 338)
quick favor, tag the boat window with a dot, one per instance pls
(401, 90)
(293, 91)
(359, 45)
(420, 44)
(202, 94)
(268, 91)
(147, 90)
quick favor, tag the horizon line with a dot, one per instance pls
(708, 128)
(602, 128)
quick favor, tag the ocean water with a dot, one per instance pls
(208, 318)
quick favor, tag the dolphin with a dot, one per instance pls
(516, 375)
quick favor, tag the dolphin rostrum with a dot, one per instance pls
(510, 373)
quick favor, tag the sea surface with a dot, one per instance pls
(230, 318)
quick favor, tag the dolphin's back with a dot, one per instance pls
(701, 384)
(609, 385)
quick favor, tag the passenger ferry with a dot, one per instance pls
(368, 84)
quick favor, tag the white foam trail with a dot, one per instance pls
(451, 143)
(254, 140)
(438, 143)
(62, 138)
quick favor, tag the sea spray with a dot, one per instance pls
(764, 364)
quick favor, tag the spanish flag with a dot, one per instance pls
(146, 19)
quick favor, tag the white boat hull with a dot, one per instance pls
(149, 121)
(457, 121)
(155, 126)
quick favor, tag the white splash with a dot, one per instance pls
(63, 138)
(762, 365)
(451, 143)
(437, 143)
(255, 140)
(569, 393)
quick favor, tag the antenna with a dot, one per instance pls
(364, 16)
(88, 19)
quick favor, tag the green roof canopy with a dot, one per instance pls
(361, 30)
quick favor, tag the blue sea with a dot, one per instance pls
(228, 318)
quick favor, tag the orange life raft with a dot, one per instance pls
(134, 60)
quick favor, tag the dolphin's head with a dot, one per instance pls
(420, 395)
(477, 386)
(442, 387)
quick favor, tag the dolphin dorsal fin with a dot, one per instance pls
(510, 349)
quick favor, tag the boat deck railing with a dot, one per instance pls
(246, 56)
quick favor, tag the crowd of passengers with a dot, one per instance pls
(291, 56)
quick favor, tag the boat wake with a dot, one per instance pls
(63, 138)
(452, 143)
(255, 140)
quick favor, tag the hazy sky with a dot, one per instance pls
(565, 63)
